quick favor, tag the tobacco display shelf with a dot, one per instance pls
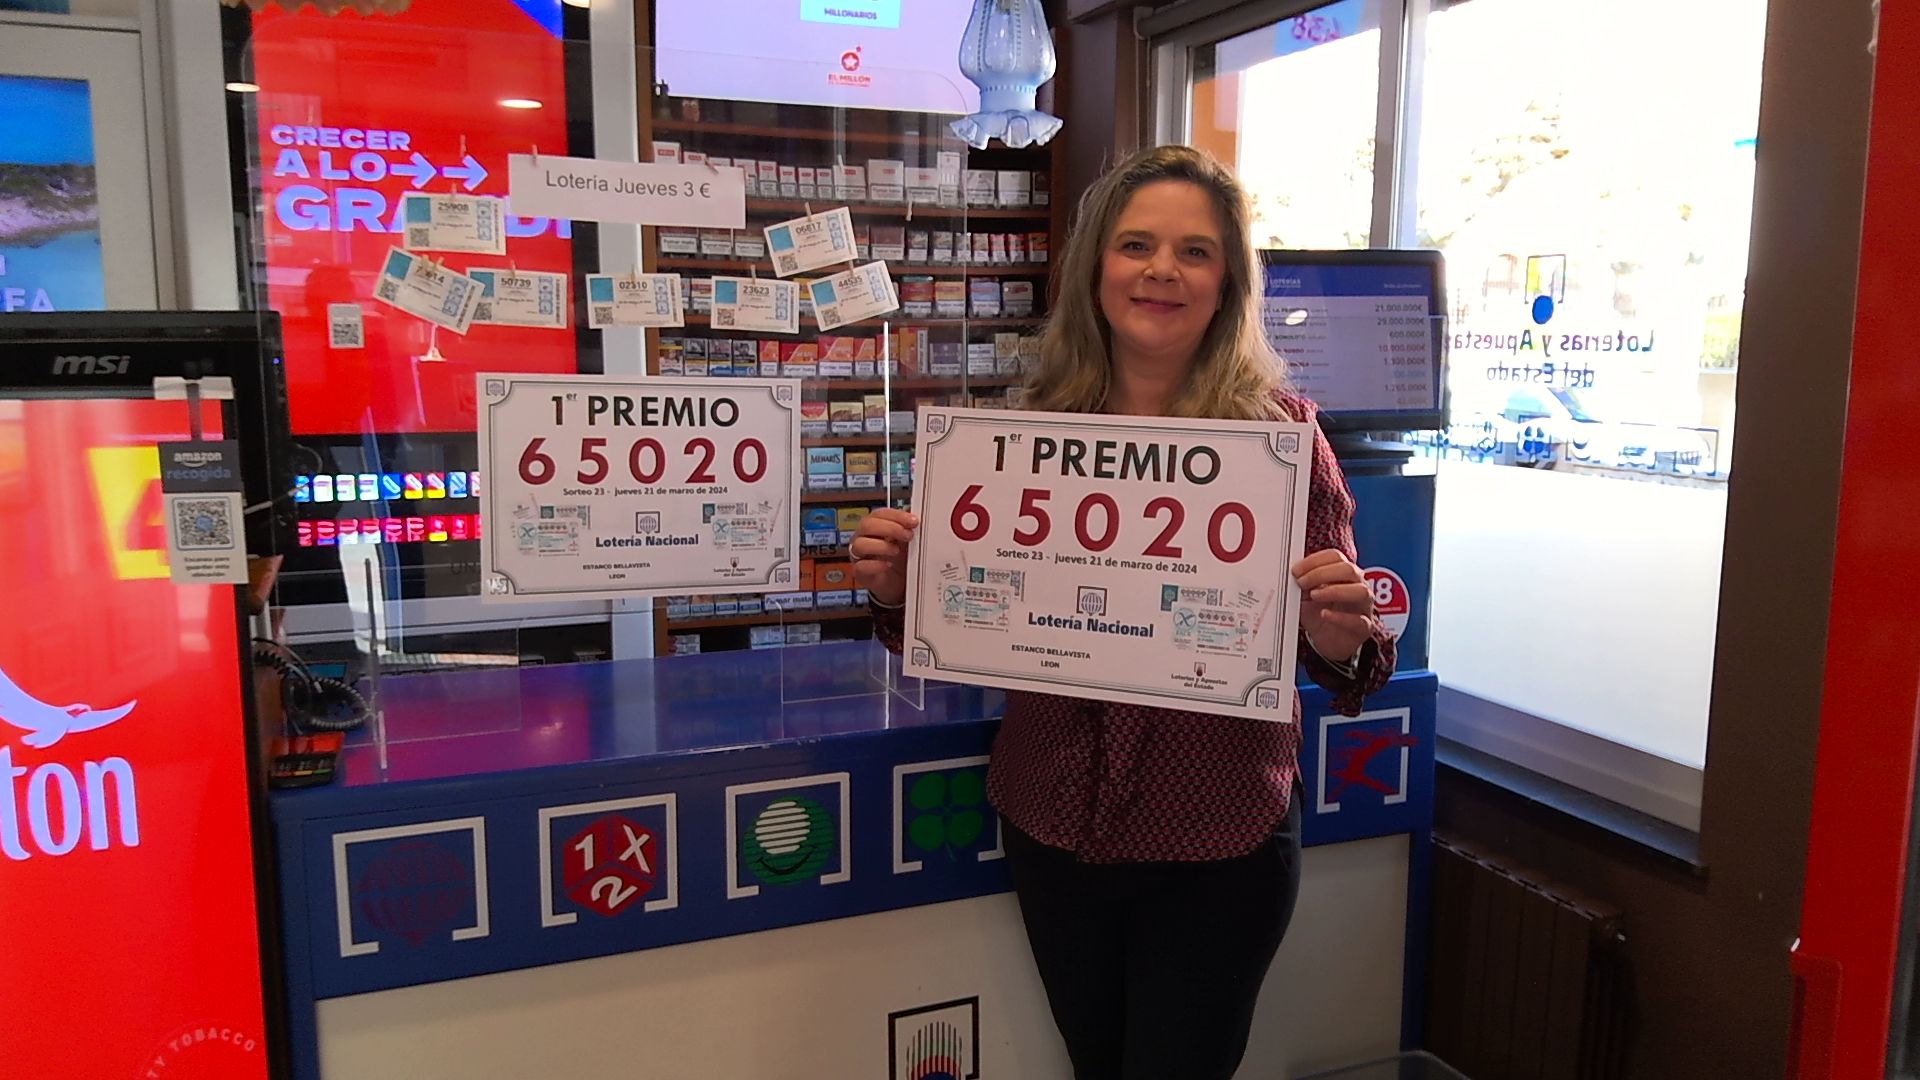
(863, 495)
(677, 263)
(767, 619)
(1003, 323)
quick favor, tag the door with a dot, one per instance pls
(76, 205)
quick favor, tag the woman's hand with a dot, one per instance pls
(1336, 606)
(879, 551)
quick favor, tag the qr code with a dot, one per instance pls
(1264, 665)
(418, 236)
(388, 290)
(203, 524)
(483, 311)
(603, 313)
(346, 335)
(723, 317)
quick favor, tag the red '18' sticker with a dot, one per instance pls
(1391, 600)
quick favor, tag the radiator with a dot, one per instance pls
(1527, 980)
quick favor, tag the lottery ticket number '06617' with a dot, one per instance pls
(1125, 559)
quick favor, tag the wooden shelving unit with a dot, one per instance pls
(815, 137)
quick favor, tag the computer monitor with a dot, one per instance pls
(1363, 334)
(122, 352)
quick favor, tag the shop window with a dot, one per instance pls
(1588, 169)
(1292, 105)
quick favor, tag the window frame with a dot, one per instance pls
(1656, 786)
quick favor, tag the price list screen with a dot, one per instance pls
(1357, 338)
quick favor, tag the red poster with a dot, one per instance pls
(126, 859)
(353, 111)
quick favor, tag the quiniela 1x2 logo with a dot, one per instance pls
(57, 808)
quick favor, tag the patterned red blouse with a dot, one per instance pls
(1128, 783)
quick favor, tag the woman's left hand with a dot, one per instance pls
(1336, 606)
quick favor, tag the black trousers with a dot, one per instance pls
(1152, 969)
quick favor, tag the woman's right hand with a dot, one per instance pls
(879, 551)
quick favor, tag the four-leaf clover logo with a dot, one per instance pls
(947, 810)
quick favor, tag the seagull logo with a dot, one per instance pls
(47, 724)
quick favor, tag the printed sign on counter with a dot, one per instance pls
(587, 189)
(1126, 559)
(638, 487)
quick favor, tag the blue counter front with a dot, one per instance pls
(765, 864)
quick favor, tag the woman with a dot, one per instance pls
(1156, 853)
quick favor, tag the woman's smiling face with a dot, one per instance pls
(1162, 271)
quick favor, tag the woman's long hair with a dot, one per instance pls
(1236, 373)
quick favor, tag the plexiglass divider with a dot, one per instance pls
(382, 575)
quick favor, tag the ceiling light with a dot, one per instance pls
(519, 103)
(244, 87)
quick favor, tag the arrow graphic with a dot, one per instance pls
(471, 175)
(419, 168)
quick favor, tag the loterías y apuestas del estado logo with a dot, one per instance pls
(46, 808)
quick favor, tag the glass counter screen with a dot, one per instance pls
(1361, 338)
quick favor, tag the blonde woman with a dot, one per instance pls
(1156, 854)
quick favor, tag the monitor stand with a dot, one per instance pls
(1362, 454)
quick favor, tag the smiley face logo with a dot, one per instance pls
(790, 841)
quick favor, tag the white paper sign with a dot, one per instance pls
(751, 304)
(634, 300)
(346, 327)
(521, 298)
(418, 286)
(605, 487)
(1125, 559)
(469, 223)
(641, 194)
(806, 243)
(847, 297)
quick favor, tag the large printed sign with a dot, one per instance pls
(353, 114)
(609, 488)
(126, 853)
(1127, 559)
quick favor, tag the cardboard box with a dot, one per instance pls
(685, 644)
(819, 526)
(849, 520)
(1014, 187)
(916, 295)
(814, 419)
(923, 186)
(980, 359)
(679, 241)
(947, 163)
(863, 469)
(950, 298)
(849, 183)
(983, 298)
(1016, 298)
(980, 187)
(848, 416)
(887, 180)
(799, 359)
(876, 414)
(946, 359)
(890, 243)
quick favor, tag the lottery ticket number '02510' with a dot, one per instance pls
(1136, 560)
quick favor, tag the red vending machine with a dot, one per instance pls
(130, 813)
(1855, 963)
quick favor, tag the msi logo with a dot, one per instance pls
(91, 365)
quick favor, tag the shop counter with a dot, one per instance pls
(762, 864)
